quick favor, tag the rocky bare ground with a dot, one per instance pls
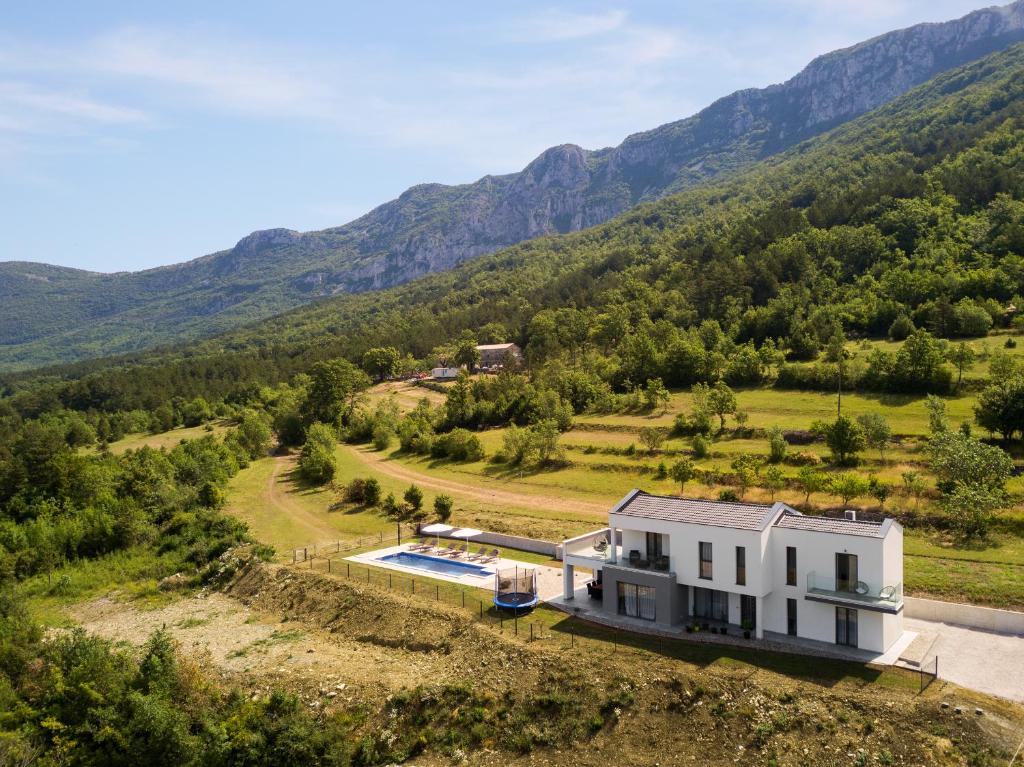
(341, 644)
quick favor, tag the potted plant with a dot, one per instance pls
(747, 626)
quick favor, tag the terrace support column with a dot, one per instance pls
(568, 578)
(613, 544)
(759, 617)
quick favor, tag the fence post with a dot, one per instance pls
(328, 565)
(463, 599)
(437, 592)
(389, 581)
(413, 585)
(367, 574)
(348, 569)
(531, 632)
(481, 609)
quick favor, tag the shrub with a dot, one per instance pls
(777, 445)
(443, 507)
(729, 496)
(701, 446)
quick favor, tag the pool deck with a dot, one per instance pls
(549, 579)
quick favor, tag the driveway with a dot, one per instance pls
(979, 660)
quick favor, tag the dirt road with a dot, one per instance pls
(479, 490)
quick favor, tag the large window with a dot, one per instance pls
(791, 617)
(791, 565)
(741, 566)
(846, 626)
(636, 601)
(711, 604)
(846, 572)
(705, 560)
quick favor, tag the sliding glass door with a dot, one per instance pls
(637, 601)
(846, 626)
(711, 604)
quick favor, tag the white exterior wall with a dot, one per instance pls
(879, 563)
(879, 560)
(684, 553)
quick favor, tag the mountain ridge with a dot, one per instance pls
(57, 313)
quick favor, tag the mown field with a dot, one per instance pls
(604, 459)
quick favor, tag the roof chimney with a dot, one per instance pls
(850, 515)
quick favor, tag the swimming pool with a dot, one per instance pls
(433, 564)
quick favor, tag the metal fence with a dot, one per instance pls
(560, 631)
(314, 550)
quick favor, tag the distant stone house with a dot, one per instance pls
(493, 356)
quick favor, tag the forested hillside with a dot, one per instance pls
(54, 314)
(908, 219)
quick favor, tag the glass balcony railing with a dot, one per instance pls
(869, 594)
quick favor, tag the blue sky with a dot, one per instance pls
(134, 134)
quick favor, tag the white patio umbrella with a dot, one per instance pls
(466, 532)
(437, 528)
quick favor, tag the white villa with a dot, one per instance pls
(764, 567)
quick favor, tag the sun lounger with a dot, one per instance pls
(480, 554)
(420, 545)
(458, 551)
(492, 556)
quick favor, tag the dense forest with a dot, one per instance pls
(906, 222)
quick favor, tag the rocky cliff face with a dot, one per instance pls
(434, 227)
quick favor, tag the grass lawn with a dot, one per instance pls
(134, 573)
(167, 439)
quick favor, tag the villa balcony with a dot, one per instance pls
(595, 549)
(862, 595)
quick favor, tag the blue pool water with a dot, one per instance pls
(435, 565)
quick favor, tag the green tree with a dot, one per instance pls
(913, 484)
(381, 362)
(371, 492)
(957, 459)
(316, 460)
(1000, 407)
(844, 437)
(777, 445)
(877, 433)
(196, 412)
(848, 486)
(811, 481)
(544, 438)
(972, 509)
(655, 395)
(443, 507)
(937, 421)
(334, 391)
(774, 481)
(879, 490)
(682, 471)
(746, 469)
(413, 496)
(467, 354)
(721, 400)
(701, 446)
(652, 437)
(516, 445)
(962, 357)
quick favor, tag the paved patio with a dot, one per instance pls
(981, 660)
(589, 609)
(549, 579)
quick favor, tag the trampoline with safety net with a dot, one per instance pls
(515, 589)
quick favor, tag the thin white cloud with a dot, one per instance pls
(555, 25)
(24, 96)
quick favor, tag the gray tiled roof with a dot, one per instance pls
(841, 525)
(741, 516)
